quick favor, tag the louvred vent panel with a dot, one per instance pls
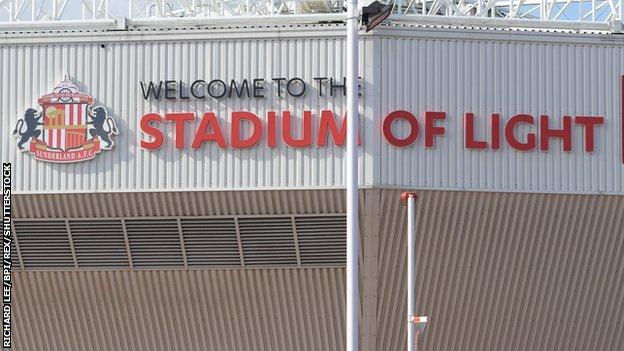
(44, 244)
(210, 242)
(268, 241)
(154, 242)
(99, 243)
(322, 240)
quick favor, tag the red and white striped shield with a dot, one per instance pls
(62, 135)
(65, 125)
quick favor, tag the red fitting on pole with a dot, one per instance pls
(406, 195)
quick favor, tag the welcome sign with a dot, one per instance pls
(60, 133)
(319, 128)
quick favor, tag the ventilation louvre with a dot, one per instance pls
(210, 242)
(44, 244)
(154, 242)
(322, 240)
(268, 241)
(99, 243)
(15, 261)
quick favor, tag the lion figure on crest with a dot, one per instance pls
(103, 126)
(32, 120)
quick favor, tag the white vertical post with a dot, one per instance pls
(581, 10)
(353, 241)
(411, 272)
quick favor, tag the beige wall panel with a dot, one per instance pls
(506, 271)
(260, 309)
(495, 271)
(196, 203)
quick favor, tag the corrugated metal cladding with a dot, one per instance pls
(191, 203)
(111, 72)
(494, 272)
(502, 271)
(450, 70)
(485, 76)
(221, 310)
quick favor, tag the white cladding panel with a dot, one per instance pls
(112, 74)
(418, 70)
(463, 74)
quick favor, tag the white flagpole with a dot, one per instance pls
(415, 324)
(353, 296)
(411, 273)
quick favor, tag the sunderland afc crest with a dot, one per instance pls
(67, 127)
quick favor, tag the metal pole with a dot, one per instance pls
(411, 273)
(353, 241)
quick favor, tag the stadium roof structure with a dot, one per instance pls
(579, 15)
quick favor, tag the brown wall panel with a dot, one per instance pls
(191, 203)
(495, 271)
(227, 309)
(506, 271)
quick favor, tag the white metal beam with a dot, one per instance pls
(452, 11)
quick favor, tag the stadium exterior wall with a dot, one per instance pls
(455, 71)
(494, 272)
(516, 249)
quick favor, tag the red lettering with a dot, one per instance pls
(387, 128)
(495, 131)
(306, 139)
(272, 138)
(151, 131)
(588, 123)
(209, 121)
(328, 124)
(431, 129)
(470, 141)
(565, 134)
(179, 119)
(511, 138)
(256, 129)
